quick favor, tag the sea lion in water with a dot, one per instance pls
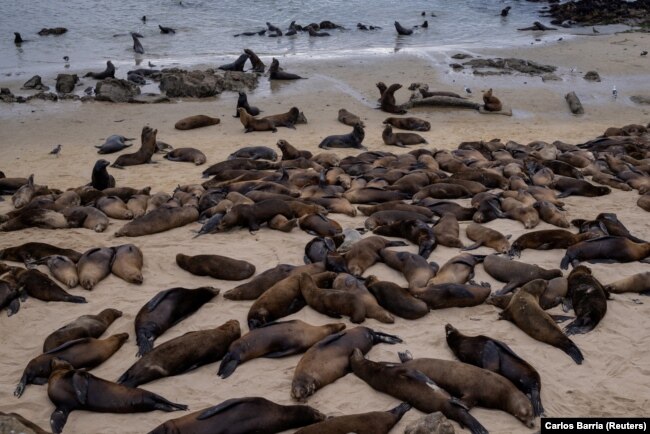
(515, 273)
(144, 154)
(216, 266)
(388, 103)
(237, 65)
(159, 220)
(416, 270)
(243, 416)
(411, 123)
(62, 268)
(396, 299)
(242, 102)
(278, 339)
(137, 46)
(548, 239)
(491, 103)
(94, 266)
(190, 155)
(40, 286)
(86, 326)
(616, 249)
(276, 74)
(166, 309)
(252, 124)
(312, 374)
(127, 263)
(401, 139)
(588, 298)
(166, 30)
(349, 119)
(412, 386)
(196, 121)
(526, 313)
(484, 236)
(80, 353)
(182, 354)
(36, 251)
(496, 356)
(375, 422)
(256, 62)
(474, 386)
(71, 389)
(402, 31)
(106, 73)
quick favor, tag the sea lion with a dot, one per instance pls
(87, 217)
(526, 313)
(243, 416)
(638, 283)
(288, 119)
(387, 101)
(346, 282)
(257, 64)
(253, 216)
(36, 251)
(458, 269)
(615, 227)
(375, 422)
(252, 124)
(114, 207)
(242, 102)
(182, 354)
(349, 119)
(9, 292)
(70, 389)
(551, 214)
(415, 268)
(412, 386)
(137, 46)
(389, 217)
(365, 253)
(440, 207)
(276, 74)
(109, 72)
(79, 353)
(260, 283)
(474, 386)
(11, 185)
(216, 266)
(372, 195)
(484, 236)
(548, 239)
(396, 299)
(127, 263)
(196, 121)
(166, 30)
(62, 268)
(445, 295)
(289, 152)
(138, 205)
(441, 190)
(603, 249)
(515, 273)
(447, 231)
(254, 153)
(190, 155)
(351, 140)
(312, 374)
(496, 356)
(144, 154)
(24, 194)
(274, 340)
(36, 217)
(401, 139)
(588, 298)
(86, 326)
(318, 224)
(331, 302)
(578, 187)
(402, 31)
(490, 102)
(416, 231)
(40, 286)
(410, 123)
(237, 65)
(159, 220)
(516, 210)
(94, 265)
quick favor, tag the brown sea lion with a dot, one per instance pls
(127, 263)
(373, 195)
(416, 270)
(182, 354)
(276, 74)
(603, 249)
(243, 416)
(289, 152)
(351, 140)
(94, 266)
(439, 207)
(491, 103)
(312, 374)
(458, 269)
(396, 299)
(40, 286)
(588, 298)
(216, 266)
(278, 339)
(412, 124)
(496, 356)
(551, 214)
(401, 139)
(515, 273)
(37, 217)
(166, 309)
(644, 202)
(474, 386)
(416, 231)
(349, 119)
(412, 386)
(442, 190)
(638, 283)
(526, 313)
(484, 236)
(190, 155)
(375, 422)
(62, 268)
(389, 217)
(9, 291)
(196, 121)
(445, 295)
(114, 208)
(320, 225)
(87, 217)
(24, 194)
(256, 62)
(71, 389)
(332, 302)
(516, 210)
(159, 220)
(346, 282)
(144, 154)
(80, 353)
(260, 283)
(86, 326)
(253, 216)
(447, 231)
(548, 239)
(365, 253)
(288, 119)
(387, 102)
(578, 187)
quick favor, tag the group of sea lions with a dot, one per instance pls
(409, 196)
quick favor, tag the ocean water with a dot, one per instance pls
(99, 30)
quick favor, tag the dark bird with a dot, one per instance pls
(66, 58)
(151, 65)
(594, 30)
(644, 53)
(468, 90)
(56, 151)
(614, 92)
(423, 14)
(166, 30)
(504, 12)
(401, 30)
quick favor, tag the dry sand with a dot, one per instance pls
(614, 379)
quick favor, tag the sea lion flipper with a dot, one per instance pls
(473, 246)
(66, 345)
(490, 357)
(459, 403)
(379, 337)
(157, 299)
(331, 338)
(58, 419)
(278, 354)
(560, 318)
(209, 412)
(80, 384)
(567, 304)
(13, 307)
(405, 356)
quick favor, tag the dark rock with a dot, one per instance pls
(550, 77)
(456, 65)
(6, 95)
(53, 31)
(115, 90)
(592, 12)
(461, 56)
(45, 96)
(640, 99)
(65, 82)
(15, 423)
(509, 65)
(202, 84)
(35, 83)
(592, 76)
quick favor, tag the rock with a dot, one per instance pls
(592, 76)
(65, 82)
(115, 90)
(509, 65)
(45, 96)
(640, 99)
(149, 98)
(16, 424)
(550, 77)
(461, 56)
(202, 84)
(591, 12)
(434, 423)
(35, 83)
(6, 95)
(456, 66)
(53, 31)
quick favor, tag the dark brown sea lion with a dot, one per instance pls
(375, 422)
(196, 121)
(440, 207)
(260, 283)
(114, 208)
(396, 299)
(62, 268)
(318, 224)
(474, 386)
(94, 266)
(289, 152)
(242, 416)
(100, 178)
(288, 119)
(349, 119)
(253, 216)
(373, 195)
(190, 155)
(40, 286)
(484, 236)
(182, 354)
(237, 65)
(491, 103)
(159, 220)
(276, 74)
(412, 124)
(644, 202)
(515, 273)
(127, 263)
(496, 356)
(445, 295)
(526, 313)
(364, 253)
(458, 269)
(442, 190)
(253, 124)
(9, 291)
(166, 309)
(401, 139)
(588, 298)
(551, 214)
(242, 102)
(80, 353)
(447, 231)
(332, 302)
(278, 339)
(387, 101)
(216, 266)
(416, 270)
(312, 374)
(351, 140)
(412, 386)
(11, 185)
(346, 282)
(37, 217)
(389, 217)
(256, 62)
(578, 187)
(548, 239)
(416, 231)
(603, 249)
(71, 389)
(108, 72)
(144, 154)
(86, 326)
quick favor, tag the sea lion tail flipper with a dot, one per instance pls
(536, 401)
(75, 299)
(20, 388)
(508, 288)
(58, 419)
(514, 251)
(126, 379)
(13, 307)
(396, 244)
(579, 326)
(564, 264)
(379, 337)
(567, 304)
(228, 365)
(80, 384)
(405, 356)
(162, 404)
(472, 246)
(466, 420)
(573, 351)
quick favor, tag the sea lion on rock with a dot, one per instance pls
(71, 389)
(196, 121)
(237, 65)
(351, 140)
(375, 422)
(94, 265)
(182, 354)
(276, 74)
(603, 249)
(411, 123)
(109, 72)
(166, 309)
(159, 220)
(190, 155)
(86, 326)
(311, 374)
(396, 299)
(484, 236)
(36, 251)
(515, 273)
(216, 266)
(588, 298)
(387, 101)
(144, 154)
(242, 102)
(401, 139)
(274, 340)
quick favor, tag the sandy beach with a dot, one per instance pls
(614, 379)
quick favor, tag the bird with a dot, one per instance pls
(151, 65)
(66, 58)
(594, 30)
(644, 53)
(56, 150)
(504, 12)
(614, 92)
(468, 90)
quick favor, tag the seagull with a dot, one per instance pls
(56, 150)
(644, 53)
(614, 92)
(468, 90)
(594, 30)
(151, 65)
